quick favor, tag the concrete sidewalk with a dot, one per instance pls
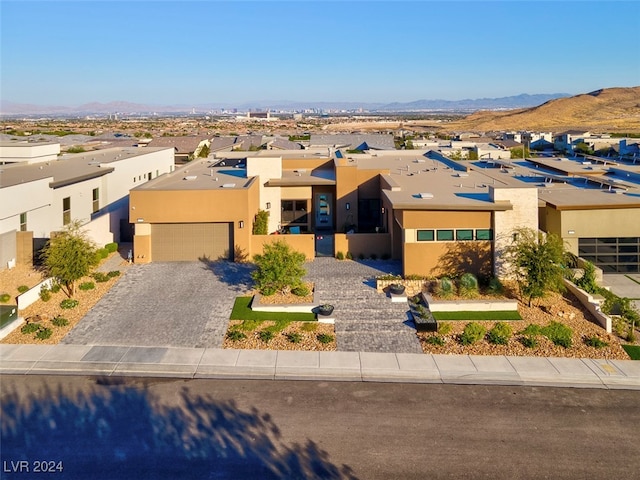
(321, 366)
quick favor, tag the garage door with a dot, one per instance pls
(175, 242)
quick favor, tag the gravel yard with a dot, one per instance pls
(308, 332)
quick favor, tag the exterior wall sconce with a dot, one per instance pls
(572, 232)
(241, 224)
(382, 211)
(268, 205)
(347, 206)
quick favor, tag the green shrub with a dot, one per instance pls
(472, 333)
(100, 277)
(619, 327)
(558, 333)
(500, 334)
(348, 256)
(309, 327)
(261, 223)
(294, 337)
(235, 335)
(30, 328)
(340, 256)
(279, 268)
(324, 338)
(495, 287)
(102, 253)
(435, 340)
(300, 290)
(468, 285)
(361, 256)
(43, 333)
(529, 341)
(55, 287)
(69, 303)
(588, 280)
(5, 297)
(266, 335)
(444, 328)
(111, 247)
(595, 342)
(531, 329)
(60, 322)
(23, 288)
(87, 286)
(45, 293)
(113, 273)
(445, 288)
(374, 256)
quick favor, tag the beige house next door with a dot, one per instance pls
(176, 242)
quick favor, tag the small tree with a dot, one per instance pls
(280, 269)
(70, 255)
(537, 260)
(204, 151)
(261, 223)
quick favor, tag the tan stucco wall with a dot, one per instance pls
(421, 219)
(295, 193)
(304, 243)
(308, 163)
(363, 243)
(447, 258)
(24, 248)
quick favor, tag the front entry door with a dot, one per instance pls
(324, 211)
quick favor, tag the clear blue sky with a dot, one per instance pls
(170, 52)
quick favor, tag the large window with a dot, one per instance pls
(23, 222)
(96, 200)
(294, 212)
(66, 211)
(444, 235)
(484, 234)
(612, 255)
(464, 234)
(425, 236)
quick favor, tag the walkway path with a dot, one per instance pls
(366, 321)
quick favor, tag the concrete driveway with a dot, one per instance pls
(624, 286)
(182, 304)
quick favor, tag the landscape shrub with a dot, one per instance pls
(349, 256)
(113, 273)
(111, 247)
(266, 335)
(261, 223)
(500, 334)
(468, 285)
(529, 341)
(495, 287)
(445, 288)
(588, 280)
(55, 287)
(100, 277)
(340, 256)
(279, 268)
(472, 333)
(309, 327)
(294, 337)
(436, 340)
(595, 342)
(69, 303)
(44, 333)
(374, 256)
(45, 293)
(558, 333)
(5, 297)
(361, 256)
(235, 335)
(23, 288)
(87, 286)
(102, 253)
(444, 328)
(30, 328)
(60, 322)
(531, 329)
(300, 290)
(324, 338)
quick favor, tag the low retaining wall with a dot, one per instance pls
(412, 286)
(591, 304)
(365, 244)
(471, 305)
(33, 294)
(257, 306)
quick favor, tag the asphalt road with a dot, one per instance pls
(144, 428)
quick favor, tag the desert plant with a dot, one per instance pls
(559, 333)
(279, 268)
(5, 297)
(111, 247)
(87, 286)
(531, 329)
(55, 287)
(113, 274)
(60, 322)
(588, 280)
(340, 256)
(294, 337)
(435, 340)
(30, 328)
(495, 286)
(69, 303)
(445, 288)
(45, 293)
(348, 256)
(500, 334)
(101, 254)
(324, 338)
(472, 333)
(468, 285)
(444, 328)
(100, 277)
(595, 342)
(529, 341)
(43, 333)
(235, 335)
(23, 288)
(301, 290)
(261, 223)
(309, 327)
(265, 335)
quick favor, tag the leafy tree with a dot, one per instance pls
(537, 260)
(517, 152)
(204, 151)
(583, 147)
(280, 269)
(70, 255)
(261, 223)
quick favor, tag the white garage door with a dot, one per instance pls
(177, 242)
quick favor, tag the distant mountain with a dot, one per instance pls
(122, 107)
(607, 109)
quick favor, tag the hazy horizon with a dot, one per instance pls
(218, 52)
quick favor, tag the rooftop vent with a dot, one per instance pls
(190, 177)
(228, 185)
(425, 196)
(462, 174)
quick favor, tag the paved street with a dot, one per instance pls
(223, 429)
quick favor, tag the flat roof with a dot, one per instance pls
(68, 169)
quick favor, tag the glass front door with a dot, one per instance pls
(324, 211)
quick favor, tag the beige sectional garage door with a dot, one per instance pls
(175, 242)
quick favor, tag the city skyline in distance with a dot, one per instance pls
(242, 53)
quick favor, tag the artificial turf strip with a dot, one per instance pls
(481, 315)
(241, 311)
(633, 351)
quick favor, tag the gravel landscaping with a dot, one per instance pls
(308, 340)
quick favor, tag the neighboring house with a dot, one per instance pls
(37, 199)
(185, 148)
(373, 141)
(566, 141)
(27, 152)
(281, 143)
